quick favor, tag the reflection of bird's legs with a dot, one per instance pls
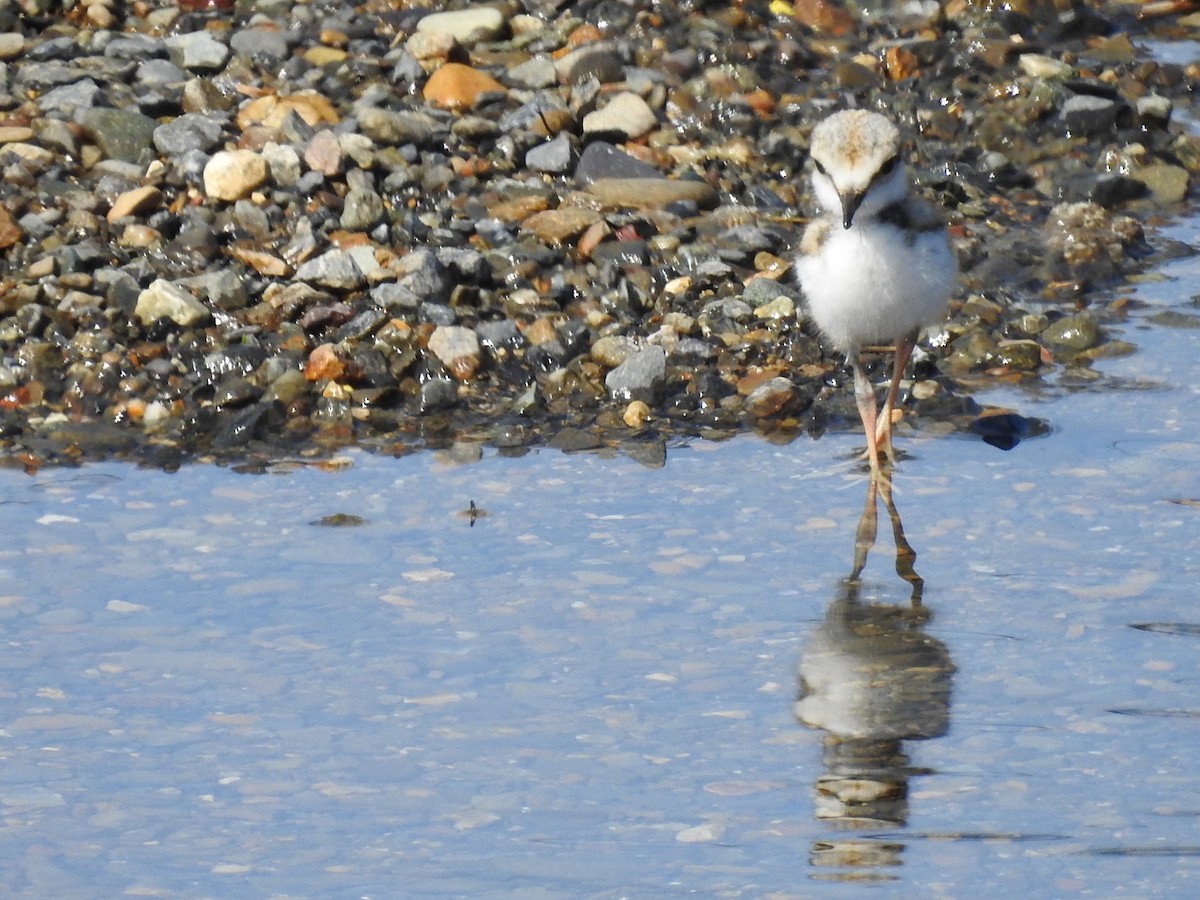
(883, 435)
(864, 537)
(906, 556)
(864, 396)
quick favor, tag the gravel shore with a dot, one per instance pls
(261, 230)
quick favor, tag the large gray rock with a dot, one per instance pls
(641, 377)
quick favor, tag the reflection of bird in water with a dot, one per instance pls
(871, 678)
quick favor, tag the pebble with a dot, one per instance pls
(770, 397)
(456, 86)
(164, 300)
(557, 226)
(336, 269)
(640, 377)
(264, 46)
(601, 160)
(234, 174)
(1167, 183)
(12, 45)
(191, 131)
(198, 51)
(555, 157)
(655, 193)
(120, 133)
(457, 348)
(1076, 332)
(1086, 114)
(467, 26)
(625, 114)
(135, 202)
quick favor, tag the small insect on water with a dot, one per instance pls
(472, 512)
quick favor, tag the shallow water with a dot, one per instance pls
(214, 689)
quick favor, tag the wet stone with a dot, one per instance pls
(336, 269)
(160, 72)
(263, 46)
(641, 376)
(458, 87)
(467, 26)
(120, 133)
(198, 51)
(556, 157)
(593, 61)
(438, 394)
(625, 114)
(602, 160)
(164, 300)
(1076, 333)
(533, 74)
(457, 348)
(769, 397)
(234, 174)
(191, 131)
(1088, 115)
(81, 94)
(1167, 183)
(655, 193)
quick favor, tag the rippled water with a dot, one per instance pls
(337, 682)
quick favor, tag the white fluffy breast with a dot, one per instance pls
(872, 284)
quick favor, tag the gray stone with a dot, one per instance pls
(420, 272)
(198, 51)
(160, 72)
(641, 376)
(556, 157)
(464, 263)
(191, 131)
(391, 295)
(43, 75)
(264, 46)
(135, 46)
(601, 160)
(283, 162)
(1086, 114)
(385, 126)
(599, 61)
(496, 334)
(335, 269)
(121, 133)
(406, 69)
(361, 210)
(533, 74)
(438, 394)
(70, 97)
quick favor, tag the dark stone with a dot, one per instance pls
(602, 160)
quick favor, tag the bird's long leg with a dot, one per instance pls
(883, 435)
(864, 396)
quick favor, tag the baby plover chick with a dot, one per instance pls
(877, 266)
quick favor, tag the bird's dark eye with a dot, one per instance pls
(820, 168)
(890, 166)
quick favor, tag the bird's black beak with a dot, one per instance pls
(851, 200)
